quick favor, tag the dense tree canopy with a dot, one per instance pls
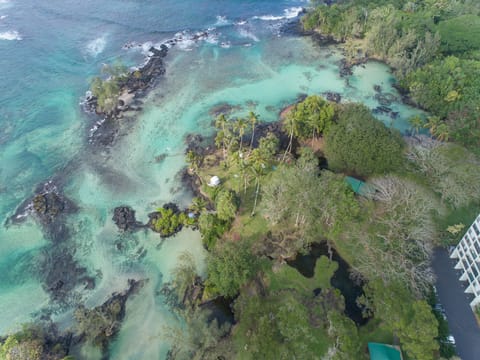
(409, 319)
(231, 266)
(362, 145)
(309, 202)
(451, 89)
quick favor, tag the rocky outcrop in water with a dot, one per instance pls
(49, 206)
(133, 88)
(332, 96)
(168, 221)
(124, 218)
(99, 325)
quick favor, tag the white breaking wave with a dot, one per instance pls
(10, 35)
(183, 40)
(3, 17)
(222, 21)
(96, 46)
(289, 13)
(247, 34)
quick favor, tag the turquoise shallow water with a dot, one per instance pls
(44, 133)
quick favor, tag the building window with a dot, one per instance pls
(476, 229)
(477, 247)
(474, 270)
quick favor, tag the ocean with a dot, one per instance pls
(49, 52)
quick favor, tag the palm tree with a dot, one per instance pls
(198, 205)
(253, 121)
(193, 159)
(292, 127)
(442, 132)
(220, 123)
(416, 123)
(240, 126)
(257, 168)
(432, 123)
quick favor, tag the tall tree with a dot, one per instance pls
(253, 118)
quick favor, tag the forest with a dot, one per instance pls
(433, 47)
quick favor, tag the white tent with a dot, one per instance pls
(214, 181)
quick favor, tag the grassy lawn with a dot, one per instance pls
(374, 332)
(464, 215)
(288, 277)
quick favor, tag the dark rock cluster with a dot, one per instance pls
(332, 96)
(124, 218)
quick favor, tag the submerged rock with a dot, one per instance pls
(345, 68)
(61, 274)
(223, 109)
(332, 96)
(100, 324)
(382, 110)
(48, 206)
(385, 99)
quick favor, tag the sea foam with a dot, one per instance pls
(248, 34)
(222, 21)
(10, 35)
(289, 13)
(96, 46)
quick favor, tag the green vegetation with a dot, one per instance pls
(230, 267)
(202, 336)
(432, 45)
(226, 205)
(277, 327)
(98, 324)
(309, 118)
(362, 145)
(460, 35)
(168, 221)
(19, 346)
(449, 88)
(32, 343)
(211, 228)
(306, 202)
(386, 236)
(451, 171)
(108, 90)
(410, 319)
(289, 278)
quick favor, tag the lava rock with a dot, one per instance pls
(48, 206)
(124, 218)
(332, 96)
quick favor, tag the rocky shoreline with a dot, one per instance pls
(133, 89)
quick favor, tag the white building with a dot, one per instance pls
(468, 254)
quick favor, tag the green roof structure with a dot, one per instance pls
(360, 187)
(383, 352)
